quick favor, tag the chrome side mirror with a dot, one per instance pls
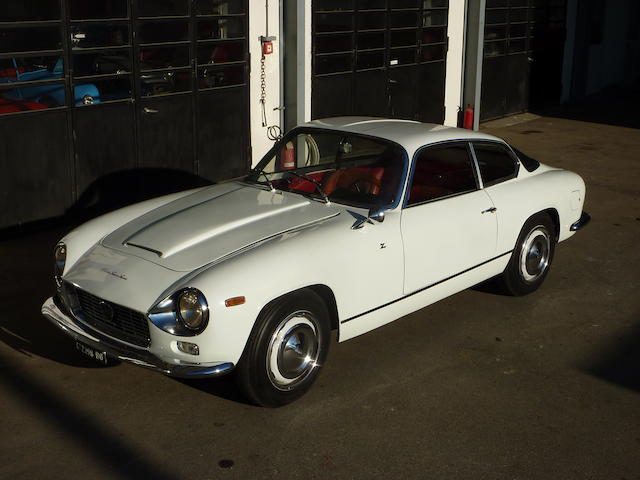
(376, 214)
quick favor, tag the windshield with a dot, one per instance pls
(337, 166)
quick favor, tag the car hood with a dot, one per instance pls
(213, 223)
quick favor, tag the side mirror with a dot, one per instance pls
(376, 214)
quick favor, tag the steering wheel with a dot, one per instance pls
(365, 185)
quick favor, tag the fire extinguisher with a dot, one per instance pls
(468, 117)
(287, 157)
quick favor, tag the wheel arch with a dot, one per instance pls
(329, 299)
(323, 291)
(555, 219)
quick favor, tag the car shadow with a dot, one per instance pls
(223, 387)
(617, 362)
(493, 286)
(26, 256)
(111, 192)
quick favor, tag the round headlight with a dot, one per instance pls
(87, 100)
(193, 310)
(60, 258)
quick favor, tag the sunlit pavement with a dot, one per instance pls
(478, 386)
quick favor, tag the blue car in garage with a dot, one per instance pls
(49, 95)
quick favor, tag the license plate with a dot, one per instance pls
(100, 357)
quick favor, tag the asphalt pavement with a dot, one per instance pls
(477, 386)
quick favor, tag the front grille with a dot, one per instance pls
(113, 319)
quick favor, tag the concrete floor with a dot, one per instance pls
(478, 386)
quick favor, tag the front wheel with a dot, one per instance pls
(532, 256)
(287, 347)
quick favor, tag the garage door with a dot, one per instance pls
(507, 53)
(380, 58)
(91, 90)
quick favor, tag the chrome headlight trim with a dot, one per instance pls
(198, 303)
(59, 262)
(166, 316)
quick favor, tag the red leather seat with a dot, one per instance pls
(361, 179)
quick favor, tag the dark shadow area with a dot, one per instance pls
(223, 387)
(127, 187)
(493, 286)
(110, 192)
(92, 439)
(26, 255)
(27, 279)
(36, 336)
(619, 361)
(613, 106)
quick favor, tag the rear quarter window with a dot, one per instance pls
(496, 163)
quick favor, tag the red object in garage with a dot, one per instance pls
(468, 117)
(287, 156)
(12, 105)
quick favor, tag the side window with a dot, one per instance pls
(496, 163)
(441, 171)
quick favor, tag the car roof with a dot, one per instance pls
(408, 133)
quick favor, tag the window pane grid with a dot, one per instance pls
(420, 27)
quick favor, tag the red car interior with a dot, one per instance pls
(360, 179)
(433, 179)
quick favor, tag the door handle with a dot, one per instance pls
(149, 110)
(489, 210)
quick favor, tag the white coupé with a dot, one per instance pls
(346, 224)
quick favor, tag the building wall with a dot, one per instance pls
(455, 61)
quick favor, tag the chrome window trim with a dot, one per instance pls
(476, 166)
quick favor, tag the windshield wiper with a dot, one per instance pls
(315, 183)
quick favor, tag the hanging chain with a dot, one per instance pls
(263, 90)
(274, 132)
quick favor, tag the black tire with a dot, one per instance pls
(287, 347)
(532, 256)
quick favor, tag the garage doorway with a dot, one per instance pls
(379, 58)
(523, 54)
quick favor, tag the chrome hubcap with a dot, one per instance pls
(293, 350)
(534, 255)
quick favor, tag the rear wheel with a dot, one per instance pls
(531, 259)
(287, 347)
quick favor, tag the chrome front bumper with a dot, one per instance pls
(139, 356)
(584, 219)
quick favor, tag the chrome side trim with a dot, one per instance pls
(584, 219)
(126, 353)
